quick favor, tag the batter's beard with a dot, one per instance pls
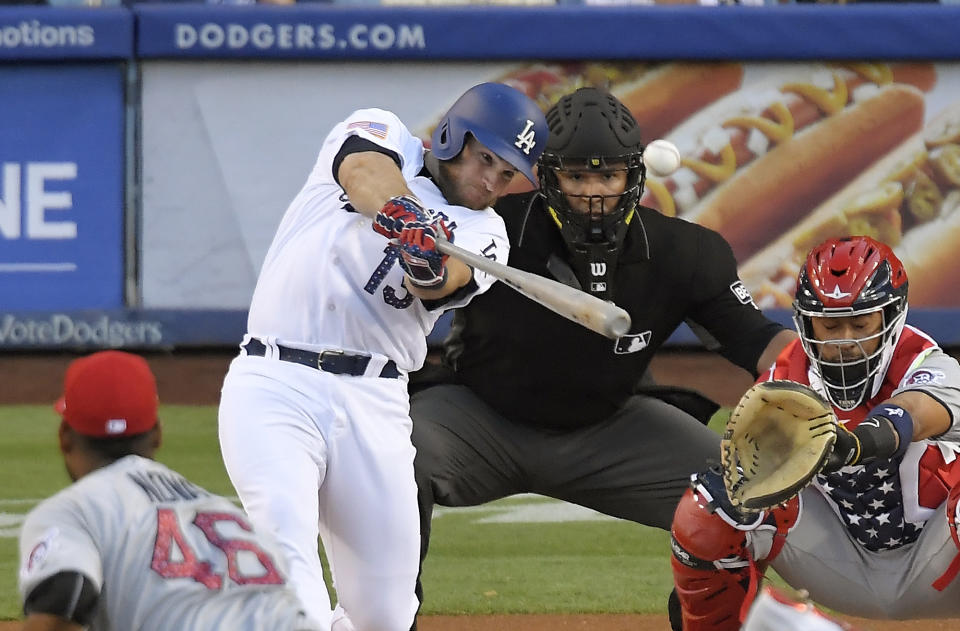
(451, 192)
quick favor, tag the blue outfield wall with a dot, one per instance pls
(62, 256)
(56, 34)
(685, 32)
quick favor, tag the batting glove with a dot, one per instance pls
(397, 213)
(420, 259)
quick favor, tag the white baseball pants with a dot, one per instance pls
(311, 453)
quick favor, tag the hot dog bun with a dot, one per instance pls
(659, 95)
(670, 93)
(909, 199)
(756, 161)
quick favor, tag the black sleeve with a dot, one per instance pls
(459, 294)
(68, 595)
(723, 306)
(356, 144)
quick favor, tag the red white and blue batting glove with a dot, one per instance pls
(397, 213)
(420, 259)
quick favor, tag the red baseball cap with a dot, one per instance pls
(108, 395)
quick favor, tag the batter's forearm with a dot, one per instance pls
(458, 275)
(370, 179)
(930, 417)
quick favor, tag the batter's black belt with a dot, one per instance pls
(334, 362)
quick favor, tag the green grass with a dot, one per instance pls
(473, 566)
(591, 567)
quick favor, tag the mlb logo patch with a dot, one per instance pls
(626, 344)
(116, 426)
(48, 541)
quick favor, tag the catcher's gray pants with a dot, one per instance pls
(634, 465)
(820, 556)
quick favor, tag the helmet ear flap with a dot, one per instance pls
(443, 135)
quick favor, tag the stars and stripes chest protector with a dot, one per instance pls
(870, 503)
(868, 498)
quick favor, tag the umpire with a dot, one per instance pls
(535, 403)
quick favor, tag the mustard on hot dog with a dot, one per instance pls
(908, 200)
(736, 168)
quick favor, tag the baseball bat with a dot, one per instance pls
(595, 314)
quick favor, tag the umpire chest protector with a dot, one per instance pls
(536, 367)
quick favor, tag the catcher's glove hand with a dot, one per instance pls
(777, 439)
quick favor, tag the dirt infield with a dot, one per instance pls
(194, 378)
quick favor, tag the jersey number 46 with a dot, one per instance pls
(188, 565)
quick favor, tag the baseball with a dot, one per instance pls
(661, 157)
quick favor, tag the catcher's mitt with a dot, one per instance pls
(777, 439)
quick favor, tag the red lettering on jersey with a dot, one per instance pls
(170, 533)
(207, 523)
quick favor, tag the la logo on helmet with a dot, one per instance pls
(526, 139)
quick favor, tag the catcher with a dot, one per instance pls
(873, 531)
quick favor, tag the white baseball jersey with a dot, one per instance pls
(164, 553)
(330, 282)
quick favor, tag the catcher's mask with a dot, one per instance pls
(850, 277)
(591, 131)
(501, 118)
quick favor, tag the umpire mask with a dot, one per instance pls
(593, 140)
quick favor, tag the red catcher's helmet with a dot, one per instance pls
(850, 277)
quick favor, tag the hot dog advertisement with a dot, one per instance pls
(759, 159)
(775, 156)
(659, 95)
(909, 199)
(778, 157)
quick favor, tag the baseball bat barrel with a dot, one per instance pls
(595, 314)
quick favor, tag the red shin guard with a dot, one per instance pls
(710, 600)
(711, 597)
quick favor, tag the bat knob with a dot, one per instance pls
(618, 325)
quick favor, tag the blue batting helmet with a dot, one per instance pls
(502, 118)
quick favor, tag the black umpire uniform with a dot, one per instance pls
(535, 403)
(540, 404)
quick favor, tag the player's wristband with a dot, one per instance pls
(435, 283)
(875, 435)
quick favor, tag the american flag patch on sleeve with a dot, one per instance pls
(377, 129)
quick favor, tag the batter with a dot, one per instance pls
(314, 418)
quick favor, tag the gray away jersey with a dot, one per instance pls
(164, 553)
